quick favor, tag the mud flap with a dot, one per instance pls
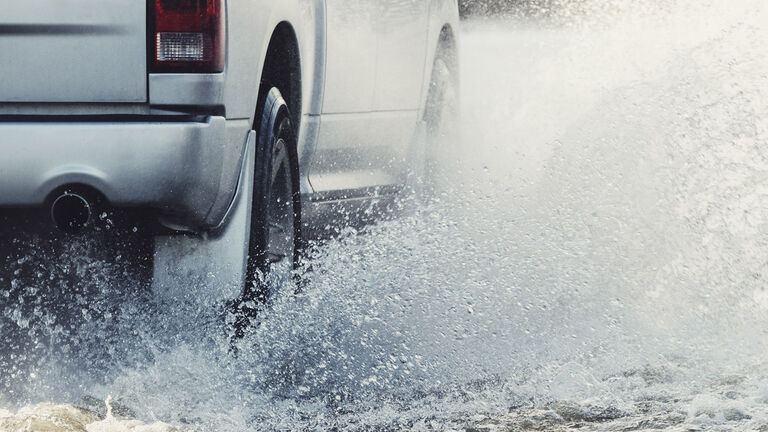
(209, 269)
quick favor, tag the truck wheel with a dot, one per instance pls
(441, 119)
(242, 264)
(274, 231)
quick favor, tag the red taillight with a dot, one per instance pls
(187, 36)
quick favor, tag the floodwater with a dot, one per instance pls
(598, 262)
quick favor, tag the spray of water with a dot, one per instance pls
(598, 258)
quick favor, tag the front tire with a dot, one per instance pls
(441, 122)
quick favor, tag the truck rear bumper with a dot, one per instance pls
(186, 169)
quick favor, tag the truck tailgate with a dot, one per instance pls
(73, 51)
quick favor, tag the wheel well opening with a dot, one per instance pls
(282, 69)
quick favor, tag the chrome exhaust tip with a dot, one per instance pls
(70, 212)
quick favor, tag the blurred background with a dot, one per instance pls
(500, 9)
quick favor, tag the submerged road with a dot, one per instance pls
(598, 261)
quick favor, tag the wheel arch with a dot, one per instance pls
(282, 68)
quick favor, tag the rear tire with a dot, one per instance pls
(244, 264)
(273, 249)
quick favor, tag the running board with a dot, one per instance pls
(372, 192)
(328, 214)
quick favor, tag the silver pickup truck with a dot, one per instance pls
(237, 122)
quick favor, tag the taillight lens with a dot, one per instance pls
(187, 36)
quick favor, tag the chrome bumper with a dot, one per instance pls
(186, 169)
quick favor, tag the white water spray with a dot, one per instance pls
(600, 258)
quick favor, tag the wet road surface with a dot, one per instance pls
(598, 261)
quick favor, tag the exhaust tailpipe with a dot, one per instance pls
(70, 212)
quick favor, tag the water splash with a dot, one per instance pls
(599, 259)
